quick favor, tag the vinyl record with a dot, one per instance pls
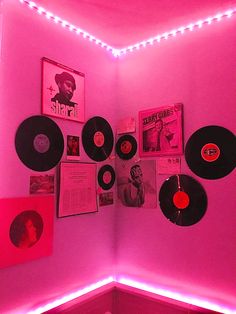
(126, 147)
(211, 152)
(97, 138)
(182, 200)
(106, 177)
(39, 143)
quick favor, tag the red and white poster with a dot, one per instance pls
(26, 229)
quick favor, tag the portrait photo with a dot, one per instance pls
(73, 147)
(62, 91)
(160, 131)
(26, 229)
(136, 183)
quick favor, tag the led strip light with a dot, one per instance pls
(148, 42)
(159, 291)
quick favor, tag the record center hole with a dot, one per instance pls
(181, 199)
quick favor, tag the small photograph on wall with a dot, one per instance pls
(73, 148)
(160, 131)
(42, 184)
(106, 198)
(136, 183)
(26, 229)
(62, 91)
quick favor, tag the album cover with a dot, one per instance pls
(136, 183)
(160, 131)
(62, 91)
(26, 229)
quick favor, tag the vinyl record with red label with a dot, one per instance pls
(39, 143)
(106, 177)
(126, 147)
(211, 152)
(97, 138)
(183, 200)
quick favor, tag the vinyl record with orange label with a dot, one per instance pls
(211, 152)
(126, 147)
(106, 177)
(183, 200)
(97, 138)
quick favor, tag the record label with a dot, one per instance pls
(210, 152)
(106, 177)
(39, 143)
(126, 147)
(183, 200)
(97, 138)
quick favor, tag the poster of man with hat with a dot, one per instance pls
(62, 91)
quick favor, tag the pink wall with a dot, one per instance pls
(197, 70)
(83, 245)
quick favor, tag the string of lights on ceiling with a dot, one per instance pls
(148, 42)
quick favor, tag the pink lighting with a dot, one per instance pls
(193, 300)
(118, 52)
(72, 296)
(129, 283)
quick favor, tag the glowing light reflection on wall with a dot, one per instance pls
(142, 44)
(159, 291)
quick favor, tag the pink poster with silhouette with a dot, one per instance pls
(26, 229)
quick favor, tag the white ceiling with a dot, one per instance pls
(124, 22)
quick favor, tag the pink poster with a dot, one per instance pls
(160, 131)
(26, 229)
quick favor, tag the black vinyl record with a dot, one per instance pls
(39, 143)
(182, 200)
(97, 138)
(106, 177)
(126, 147)
(211, 152)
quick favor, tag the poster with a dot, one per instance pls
(160, 131)
(77, 189)
(62, 91)
(26, 229)
(136, 183)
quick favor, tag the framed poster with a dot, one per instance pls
(62, 91)
(78, 193)
(26, 229)
(160, 131)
